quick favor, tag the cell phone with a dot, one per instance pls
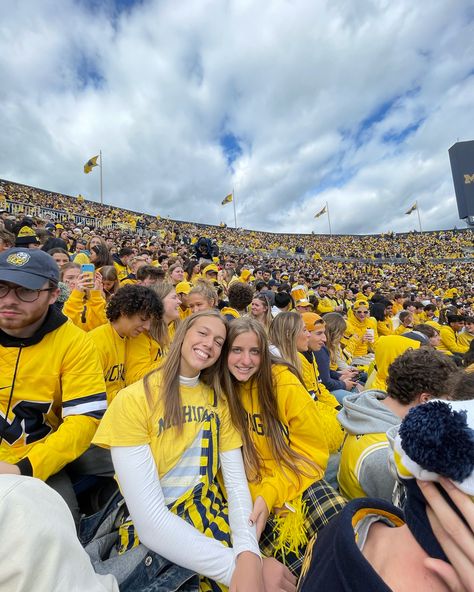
(88, 270)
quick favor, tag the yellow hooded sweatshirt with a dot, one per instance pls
(355, 326)
(387, 349)
(327, 404)
(304, 430)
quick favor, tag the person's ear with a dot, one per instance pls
(425, 397)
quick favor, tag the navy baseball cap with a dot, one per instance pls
(29, 268)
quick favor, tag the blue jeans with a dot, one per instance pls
(340, 394)
(137, 570)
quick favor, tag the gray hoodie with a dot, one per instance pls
(368, 458)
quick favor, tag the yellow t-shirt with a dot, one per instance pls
(111, 349)
(129, 421)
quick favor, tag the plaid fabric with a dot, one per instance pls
(323, 502)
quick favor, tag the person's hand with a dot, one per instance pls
(350, 384)
(259, 515)
(98, 283)
(348, 373)
(248, 573)
(84, 283)
(8, 468)
(455, 538)
(277, 577)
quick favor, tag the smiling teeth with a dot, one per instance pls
(201, 354)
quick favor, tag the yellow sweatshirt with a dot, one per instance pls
(450, 341)
(385, 327)
(111, 349)
(304, 431)
(327, 404)
(86, 311)
(356, 327)
(142, 354)
(58, 397)
(388, 348)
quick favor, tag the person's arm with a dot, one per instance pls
(142, 354)
(322, 360)
(306, 436)
(374, 473)
(84, 402)
(95, 310)
(248, 573)
(158, 528)
(448, 338)
(240, 502)
(74, 308)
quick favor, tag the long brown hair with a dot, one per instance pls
(158, 327)
(283, 333)
(267, 401)
(169, 386)
(267, 318)
(335, 328)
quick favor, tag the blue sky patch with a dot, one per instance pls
(231, 147)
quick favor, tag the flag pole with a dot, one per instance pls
(101, 191)
(329, 218)
(418, 212)
(233, 202)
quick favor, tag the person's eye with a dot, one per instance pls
(236, 350)
(255, 352)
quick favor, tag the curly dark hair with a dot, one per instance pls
(419, 371)
(240, 295)
(133, 299)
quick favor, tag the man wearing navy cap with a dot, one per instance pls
(52, 392)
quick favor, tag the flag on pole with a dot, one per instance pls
(412, 209)
(90, 164)
(227, 199)
(321, 212)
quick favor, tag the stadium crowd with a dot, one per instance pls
(281, 412)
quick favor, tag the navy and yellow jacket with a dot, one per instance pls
(333, 559)
(52, 394)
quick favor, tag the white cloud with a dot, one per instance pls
(299, 83)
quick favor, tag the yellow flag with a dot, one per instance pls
(320, 213)
(227, 199)
(412, 209)
(90, 164)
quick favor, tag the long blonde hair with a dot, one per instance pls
(268, 405)
(283, 333)
(335, 329)
(169, 386)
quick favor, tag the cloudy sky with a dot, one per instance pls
(292, 103)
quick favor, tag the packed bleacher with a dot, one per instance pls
(278, 410)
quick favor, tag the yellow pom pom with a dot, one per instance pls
(290, 529)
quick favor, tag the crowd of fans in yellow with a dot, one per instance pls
(369, 326)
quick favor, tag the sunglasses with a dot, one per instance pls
(362, 312)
